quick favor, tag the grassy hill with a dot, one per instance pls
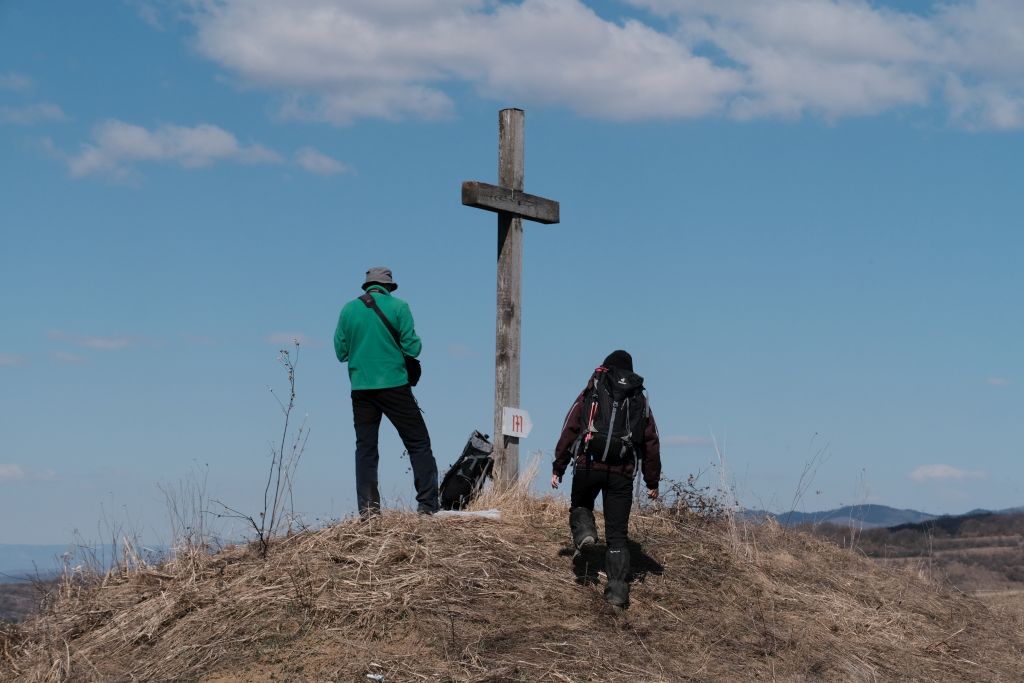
(415, 598)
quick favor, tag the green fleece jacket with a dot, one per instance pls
(362, 341)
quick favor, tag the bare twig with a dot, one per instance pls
(278, 493)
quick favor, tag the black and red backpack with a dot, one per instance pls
(614, 417)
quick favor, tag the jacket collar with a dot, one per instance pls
(379, 288)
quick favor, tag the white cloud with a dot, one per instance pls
(852, 57)
(983, 106)
(944, 472)
(10, 359)
(685, 440)
(340, 60)
(96, 343)
(151, 11)
(317, 162)
(835, 58)
(117, 146)
(32, 113)
(998, 381)
(11, 472)
(14, 81)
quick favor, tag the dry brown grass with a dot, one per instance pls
(1008, 603)
(425, 599)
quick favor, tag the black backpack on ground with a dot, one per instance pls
(614, 417)
(467, 476)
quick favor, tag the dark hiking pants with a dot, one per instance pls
(617, 492)
(399, 406)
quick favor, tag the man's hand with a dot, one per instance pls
(652, 494)
(555, 481)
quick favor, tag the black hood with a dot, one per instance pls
(619, 359)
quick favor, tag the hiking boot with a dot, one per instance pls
(368, 498)
(369, 513)
(583, 527)
(616, 594)
(616, 566)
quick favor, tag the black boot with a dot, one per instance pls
(616, 565)
(583, 527)
(369, 500)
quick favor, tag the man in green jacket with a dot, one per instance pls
(380, 387)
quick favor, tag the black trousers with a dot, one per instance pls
(617, 490)
(399, 406)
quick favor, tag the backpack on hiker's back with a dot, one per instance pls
(613, 415)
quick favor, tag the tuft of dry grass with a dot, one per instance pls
(416, 598)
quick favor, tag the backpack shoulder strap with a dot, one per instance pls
(367, 299)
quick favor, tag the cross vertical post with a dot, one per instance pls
(512, 205)
(508, 326)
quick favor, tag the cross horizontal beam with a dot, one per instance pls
(506, 200)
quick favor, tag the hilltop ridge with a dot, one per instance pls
(414, 598)
(865, 516)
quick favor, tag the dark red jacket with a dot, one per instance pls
(650, 453)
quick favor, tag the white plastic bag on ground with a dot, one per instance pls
(485, 514)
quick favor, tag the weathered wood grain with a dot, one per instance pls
(505, 199)
(509, 311)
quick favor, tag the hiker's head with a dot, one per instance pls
(379, 275)
(619, 359)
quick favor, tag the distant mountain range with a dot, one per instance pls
(1004, 511)
(25, 562)
(20, 563)
(864, 516)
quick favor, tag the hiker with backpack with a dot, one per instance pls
(608, 431)
(377, 338)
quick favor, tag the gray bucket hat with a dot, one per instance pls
(380, 275)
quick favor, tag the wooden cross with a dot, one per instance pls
(512, 205)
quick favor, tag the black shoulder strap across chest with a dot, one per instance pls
(367, 299)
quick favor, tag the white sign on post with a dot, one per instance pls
(515, 422)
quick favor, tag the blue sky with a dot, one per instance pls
(805, 216)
